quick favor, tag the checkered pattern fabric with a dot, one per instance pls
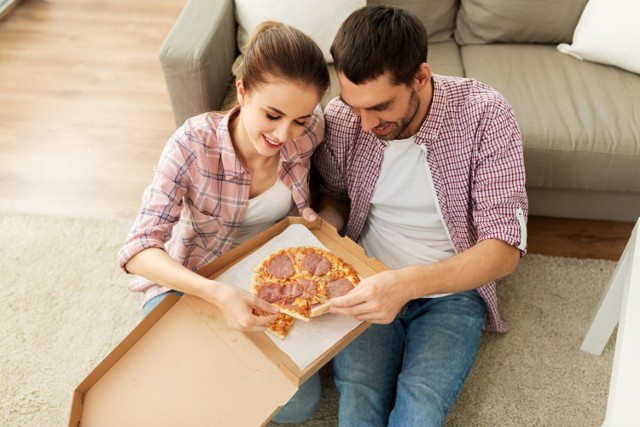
(474, 151)
(199, 195)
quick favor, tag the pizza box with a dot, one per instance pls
(182, 364)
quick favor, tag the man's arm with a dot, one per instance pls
(379, 298)
(332, 210)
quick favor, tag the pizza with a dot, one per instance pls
(301, 281)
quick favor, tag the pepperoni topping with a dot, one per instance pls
(281, 266)
(270, 292)
(316, 264)
(292, 290)
(339, 287)
(309, 286)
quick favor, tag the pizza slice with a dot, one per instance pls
(281, 326)
(295, 307)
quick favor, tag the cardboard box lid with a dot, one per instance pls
(182, 365)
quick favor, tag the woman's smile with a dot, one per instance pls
(270, 143)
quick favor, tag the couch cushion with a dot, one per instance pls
(517, 21)
(445, 59)
(580, 121)
(439, 16)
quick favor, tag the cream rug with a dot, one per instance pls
(66, 306)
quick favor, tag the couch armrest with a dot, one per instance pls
(197, 55)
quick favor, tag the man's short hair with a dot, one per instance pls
(378, 39)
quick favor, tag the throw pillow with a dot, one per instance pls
(608, 33)
(317, 18)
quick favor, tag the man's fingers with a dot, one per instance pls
(354, 297)
(348, 305)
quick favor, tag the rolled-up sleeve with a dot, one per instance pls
(161, 200)
(498, 193)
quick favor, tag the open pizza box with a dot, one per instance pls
(182, 364)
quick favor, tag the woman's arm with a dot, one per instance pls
(235, 304)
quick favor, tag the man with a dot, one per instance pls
(426, 173)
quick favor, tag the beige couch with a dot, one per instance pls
(580, 120)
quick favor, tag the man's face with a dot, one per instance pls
(386, 109)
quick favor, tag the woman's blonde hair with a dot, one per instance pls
(279, 51)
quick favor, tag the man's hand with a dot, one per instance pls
(377, 299)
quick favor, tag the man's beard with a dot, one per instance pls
(401, 130)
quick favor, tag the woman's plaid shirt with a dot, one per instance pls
(198, 198)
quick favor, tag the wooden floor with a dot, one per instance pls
(84, 113)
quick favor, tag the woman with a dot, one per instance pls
(223, 178)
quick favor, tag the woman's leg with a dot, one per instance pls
(303, 404)
(153, 302)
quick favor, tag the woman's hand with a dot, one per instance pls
(310, 216)
(241, 309)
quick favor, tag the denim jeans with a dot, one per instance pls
(409, 372)
(153, 302)
(303, 403)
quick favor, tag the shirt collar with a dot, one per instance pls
(430, 129)
(230, 162)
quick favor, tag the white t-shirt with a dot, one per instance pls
(405, 226)
(264, 210)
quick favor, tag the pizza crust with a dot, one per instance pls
(319, 310)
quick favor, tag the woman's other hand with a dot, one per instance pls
(311, 216)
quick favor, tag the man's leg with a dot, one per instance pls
(365, 374)
(443, 336)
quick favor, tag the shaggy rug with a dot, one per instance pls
(66, 305)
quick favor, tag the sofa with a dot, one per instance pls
(580, 119)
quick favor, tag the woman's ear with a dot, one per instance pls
(240, 92)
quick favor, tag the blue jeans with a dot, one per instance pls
(153, 302)
(409, 372)
(303, 403)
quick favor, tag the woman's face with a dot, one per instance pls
(275, 112)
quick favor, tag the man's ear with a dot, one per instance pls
(423, 77)
(240, 92)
